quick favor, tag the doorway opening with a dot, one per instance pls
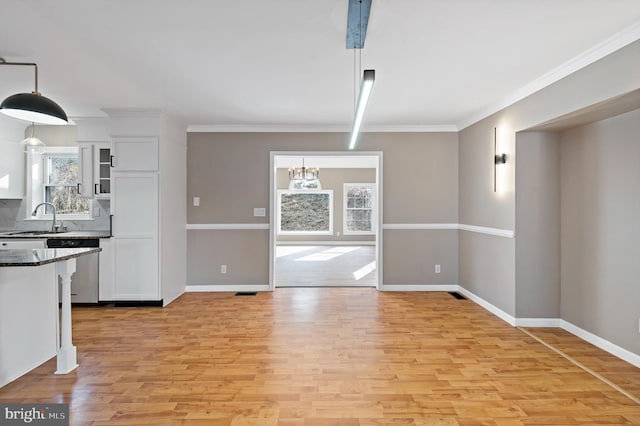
(325, 231)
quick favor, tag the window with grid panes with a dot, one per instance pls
(359, 213)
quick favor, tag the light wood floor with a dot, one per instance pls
(325, 266)
(325, 356)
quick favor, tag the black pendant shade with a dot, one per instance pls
(35, 108)
(32, 106)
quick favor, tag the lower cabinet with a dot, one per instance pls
(136, 269)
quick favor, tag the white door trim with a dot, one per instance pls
(273, 212)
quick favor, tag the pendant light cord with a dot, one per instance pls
(360, 45)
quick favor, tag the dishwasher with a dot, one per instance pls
(84, 282)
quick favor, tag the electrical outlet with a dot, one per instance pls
(259, 212)
(196, 201)
(223, 269)
(437, 269)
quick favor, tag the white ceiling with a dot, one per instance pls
(440, 64)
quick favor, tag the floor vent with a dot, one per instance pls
(457, 295)
(246, 293)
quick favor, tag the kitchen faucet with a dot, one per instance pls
(53, 224)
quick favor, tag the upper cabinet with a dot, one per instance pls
(85, 170)
(11, 170)
(102, 170)
(134, 154)
(94, 170)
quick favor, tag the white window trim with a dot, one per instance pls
(297, 191)
(35, 185)
(374, 209)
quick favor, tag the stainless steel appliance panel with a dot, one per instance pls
(84, 282)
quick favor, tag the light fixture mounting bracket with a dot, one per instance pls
(357, 21)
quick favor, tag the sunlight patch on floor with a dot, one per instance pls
(326, 255)
(364, 271)
(282, 251)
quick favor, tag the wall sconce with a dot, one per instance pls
(32, 106)
(497, 159)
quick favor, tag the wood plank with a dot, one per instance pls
(316, 356)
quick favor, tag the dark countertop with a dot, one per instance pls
(68, 235)
(37, 257)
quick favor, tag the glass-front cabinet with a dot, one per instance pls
(94, 170)
(102, 179)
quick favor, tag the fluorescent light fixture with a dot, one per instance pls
(368, 78)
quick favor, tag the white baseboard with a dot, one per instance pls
(538, 322)
(603, 344)
(221, 288)
(419, 287)
(488, 306)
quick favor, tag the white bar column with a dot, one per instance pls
(67, 360)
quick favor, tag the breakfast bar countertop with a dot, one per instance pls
(37, 257)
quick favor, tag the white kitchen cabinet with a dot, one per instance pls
(134, 154)
(11, 170)
(105, 271)
(134, 206)
(85, 170)
(94, 170)
(148, 180)
(22, 244)
(102, 170)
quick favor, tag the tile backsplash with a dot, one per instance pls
(13, 214)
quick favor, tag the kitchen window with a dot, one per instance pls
(359, 212)
(54, 177)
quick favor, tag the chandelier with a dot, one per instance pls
(304, 177)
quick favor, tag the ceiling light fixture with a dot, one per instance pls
(32, 142)
(304, 178)
(32, 106)
(368, 79)
(356, 32)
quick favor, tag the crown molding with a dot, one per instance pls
(589, 56)
(329, 128)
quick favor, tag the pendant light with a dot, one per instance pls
(368, 79)
(32, 106)
(356, 31)
(32, 143)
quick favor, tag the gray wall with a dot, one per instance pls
(600, 186)
(597, 232)
(538, 225)
(486, 261)
(487, 265)
(230, 174)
